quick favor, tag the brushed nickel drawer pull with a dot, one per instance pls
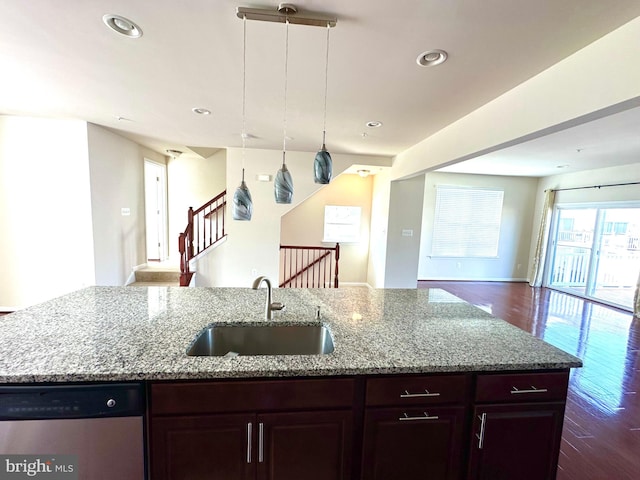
(424, 417)
(249, 429)
(533, 389)
(480, 436)
(260, 442)
(426, 393)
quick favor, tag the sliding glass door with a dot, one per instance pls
(595, 252)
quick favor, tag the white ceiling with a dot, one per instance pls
(604, 142)
(59, 59)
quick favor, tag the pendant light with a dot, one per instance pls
(323, 165)
(242, 203)
(283, 184)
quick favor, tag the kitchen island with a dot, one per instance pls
(142, 333)
(419, 381)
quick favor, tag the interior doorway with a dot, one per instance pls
(595, 252)
(155, 195)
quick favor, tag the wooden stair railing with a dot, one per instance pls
(309, 267)
(205, 228)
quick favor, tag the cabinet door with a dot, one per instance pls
(305, 445)
(411, 444)
(216, 447)
(516, 441)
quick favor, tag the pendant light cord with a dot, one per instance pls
(244, 86)
(286, 71)
(326, 88)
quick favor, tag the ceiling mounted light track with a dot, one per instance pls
(287, 11)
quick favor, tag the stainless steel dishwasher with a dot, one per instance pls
(97, 429)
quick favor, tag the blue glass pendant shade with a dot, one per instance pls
(283, 185)
(242, 203)
(322, 166)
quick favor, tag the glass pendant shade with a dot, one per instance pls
(242, 203)
(283, 185)
(322, 166)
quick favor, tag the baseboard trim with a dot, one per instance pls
(457, 279)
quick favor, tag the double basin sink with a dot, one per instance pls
(232, 340)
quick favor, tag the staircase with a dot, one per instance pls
(205, 229)
(309, 267)
(300, 266)
(157, 276)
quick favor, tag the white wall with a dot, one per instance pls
(379, 222)
(191, 183)
(253, 247)
(46, 244)
(304, 225)
(405, 215)
(515, 230)
(116, 167)
(601, 176)
(566, 94)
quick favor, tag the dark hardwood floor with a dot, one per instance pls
(601, 436)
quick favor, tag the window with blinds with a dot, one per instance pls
(466, 222)
(341, 224)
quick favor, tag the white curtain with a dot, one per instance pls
(636, 299)
(543, 239)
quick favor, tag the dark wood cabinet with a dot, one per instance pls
(516, 441)
(414, 427)
(487, 426)
(519, 437)
(268, 443)
(413, 443)
(201, 447)
(305, 445)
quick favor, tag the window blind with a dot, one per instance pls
(466, 221)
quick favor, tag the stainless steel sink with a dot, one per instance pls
(263, 340)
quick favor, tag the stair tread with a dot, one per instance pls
(154, 284)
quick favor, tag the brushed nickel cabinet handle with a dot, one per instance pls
(480, 436)
(260, 442)
(425, 416)
(426, 393)
(249, 430)
(515, 391)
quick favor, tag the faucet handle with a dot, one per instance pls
(278, 306)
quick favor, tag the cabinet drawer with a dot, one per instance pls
(238, 396)
(522, 387)
(409, 390)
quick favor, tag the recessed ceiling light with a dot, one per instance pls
(364, 173)
(201, 111)
(374, 124)
(122, 25)
(562, 166)
(431, 58)
(174, 153)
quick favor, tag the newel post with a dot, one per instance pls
(184, 263)
(190, 233)
(335, 280)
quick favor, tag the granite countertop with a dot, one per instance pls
(142, 333)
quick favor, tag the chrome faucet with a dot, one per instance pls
(271, 306)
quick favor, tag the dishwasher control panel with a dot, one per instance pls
(71, 401)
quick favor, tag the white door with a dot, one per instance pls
(155, 210)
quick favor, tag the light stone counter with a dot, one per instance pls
(134, 333)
